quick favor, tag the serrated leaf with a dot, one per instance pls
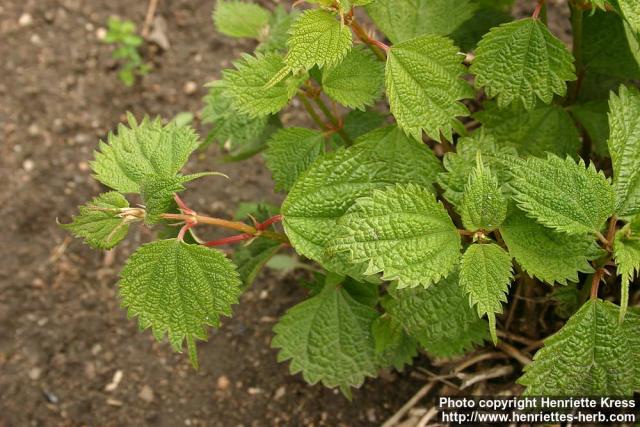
(250, 89)
(317, 38)
(562, 194)
(240, 19)
(626, 251)
(291, 151)
(483, 204)
(424, 86)
(142, 150)
(631, 11)
(546, 254)
(624, 147)
(439, 317)
(358, 123)
(546, 128)
(592, 355)
(276, 33)
(179, 289)
(357, 81)
(393, 346)
(100, 222)
(520, 61)
(401, 20)
(485, 275)
(460, 164)
(333, 183)
(592, 116)
(471, 31)
(401, 231)
(328, 338)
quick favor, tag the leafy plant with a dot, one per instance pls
(424, 210)
(122, 34)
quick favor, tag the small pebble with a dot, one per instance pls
(34, 373)
(190, 88)
(280, 392)
(101, 33)
(254, 390)
(28, 165)
(25, 19)
(223, 383)
(146, 394)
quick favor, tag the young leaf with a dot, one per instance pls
(179, 289)
(100, 221)
(277, 31)
(249, 87)
(483, 205)
(546, 254)
(624, 146)
(626, 250)
(546, 128)
(332, 184)
(393, 346)
(401, 20)
(240, 19)
(291, 151)
(521, 60)
(563, 194)
(402, 231)
(592, 355)
(424, 86)
(631, 12)
(439, 317)
(142, 150)
(485, 275)
(328, 338)
(357, 81)
(317, 38)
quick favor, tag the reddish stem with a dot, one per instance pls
(228, 240)
(538, 9)
(267, 223)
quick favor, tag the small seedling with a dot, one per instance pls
(122, 34)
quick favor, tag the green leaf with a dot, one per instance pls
(333, 183)
(624, 146)
(401, 20)
(328, 338)
(393, 346)
(485, 275)
(631, 12)
(546, 128)
(250, 89)
(357, 81)
(179, 289)
(142, 150)
(277, 31)
(358, 123)
(424, 86)
(543, 253)
(562, 194)
(101, 221)
(626, 251)
(470, 33)
(231, 128)
(521, 60)
(439, 317)
(252, 258)
(291, 151)
(460, 164)
(483, 204)
(240, 19)
(592, 116)
(401, 231)
(567, 299)
(592, 355)
(317, 38)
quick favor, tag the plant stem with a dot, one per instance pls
(337, 126)
(377, 47)
(312, 113)
(538, 9)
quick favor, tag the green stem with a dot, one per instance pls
(337, 126)
(312, 113)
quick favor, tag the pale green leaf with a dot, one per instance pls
(546, 128)
(328, 338)
(401, 20)
(291, 151)
(483, 204)
(101, 222)
(317, 38)
(240, 19)
(439, 317)
(592, 355)
(485, 275)
(357, 81)
(401, 231)
(334, 182)
(626, 251)
(624, 147)
(562, 194)
(546, 254)
(520, 61)
(424, 86)
(631, 12)
(250, 89)
(179, 289)
(142, 150)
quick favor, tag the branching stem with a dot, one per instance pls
(538, 9)
(377, 47)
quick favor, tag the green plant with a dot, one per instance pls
(122, 34)
(424, 222)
